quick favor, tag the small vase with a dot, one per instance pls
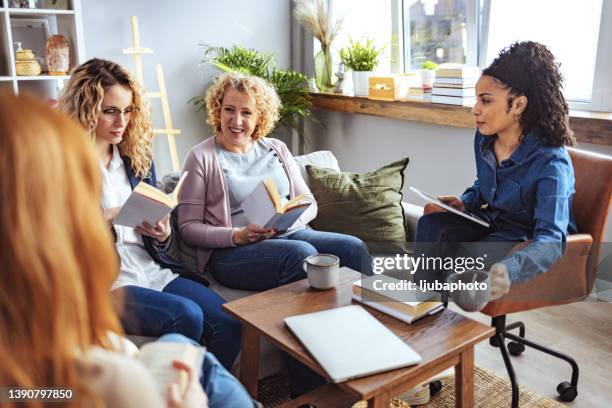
(360, 82)
(323, 71)
(57, 55)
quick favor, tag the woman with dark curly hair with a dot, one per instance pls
(525, 179)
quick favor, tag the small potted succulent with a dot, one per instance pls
(428, 74)
(362, 58)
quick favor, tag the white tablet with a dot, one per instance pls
(433, 199)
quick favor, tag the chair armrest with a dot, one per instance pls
(412, 213)
(566, 281)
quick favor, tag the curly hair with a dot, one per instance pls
(82, 98)
(529, 68)
(266, 99)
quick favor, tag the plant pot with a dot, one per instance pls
(428, 77)
(360, 82)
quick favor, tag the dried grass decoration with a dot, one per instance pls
(315, 17)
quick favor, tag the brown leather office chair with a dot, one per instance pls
(570, 279)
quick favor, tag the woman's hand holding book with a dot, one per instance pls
(251, 233)
(160, 231)
(191, 394)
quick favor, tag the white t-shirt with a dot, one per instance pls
(137, 266)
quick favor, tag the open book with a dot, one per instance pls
(263, 207)
(146, 203)
(436, 201)
(158, 356)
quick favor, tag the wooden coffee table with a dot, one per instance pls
(443, 340)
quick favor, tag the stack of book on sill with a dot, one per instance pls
(403, 304)
(418, 93)
(455, 85)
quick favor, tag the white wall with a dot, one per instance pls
(441, 157)
(173, 29)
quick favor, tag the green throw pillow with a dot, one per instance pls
(365, 205)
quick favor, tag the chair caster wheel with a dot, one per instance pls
(434, 387)
(567, 392)
(515, 348)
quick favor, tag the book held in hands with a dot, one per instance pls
(263, 207)
(158, 357)
(146, 203)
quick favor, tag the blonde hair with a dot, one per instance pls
(266, 100)
(82, 97)
(57, 262)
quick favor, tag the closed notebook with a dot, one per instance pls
(348, 342)
(263, 207)
(453, 100)
(401, 304)
(457, 71)
(466, 82)
(146, 203)
(462, 92)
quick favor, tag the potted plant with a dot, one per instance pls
(292, 87)
(428, 74)
(362, 58)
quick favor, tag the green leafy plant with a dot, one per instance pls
(291, 86)
(429, 65)
(361, 55)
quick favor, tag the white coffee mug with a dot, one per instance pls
(322, 270)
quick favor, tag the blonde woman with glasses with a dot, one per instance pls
(108, 103)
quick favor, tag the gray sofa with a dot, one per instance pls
(270, 357)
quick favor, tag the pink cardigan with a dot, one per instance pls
(204, 209)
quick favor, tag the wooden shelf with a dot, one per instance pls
(41, 77)
(37, 12)
(589, 127)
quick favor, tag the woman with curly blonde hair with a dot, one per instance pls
(225, 169)
(104, 98)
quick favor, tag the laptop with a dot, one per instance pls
(348, 342)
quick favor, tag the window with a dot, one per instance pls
(439, 31)
(572, 36)
(367, 19)
(474, 31)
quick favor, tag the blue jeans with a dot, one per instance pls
(183, 307)
(275, 262)
(221, 388)
(449, 235)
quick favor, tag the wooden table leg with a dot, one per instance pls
(464, 380)
(380, 401)
(249, 359)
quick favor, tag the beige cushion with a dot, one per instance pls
(322, 158)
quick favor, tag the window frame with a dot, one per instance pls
(477, 24)
(471, 21)
(601, 95)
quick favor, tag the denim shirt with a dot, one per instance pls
(526, 197)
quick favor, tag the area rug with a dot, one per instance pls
(490, 391)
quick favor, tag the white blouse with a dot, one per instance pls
(137, 266)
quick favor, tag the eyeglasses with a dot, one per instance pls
(111, 114)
